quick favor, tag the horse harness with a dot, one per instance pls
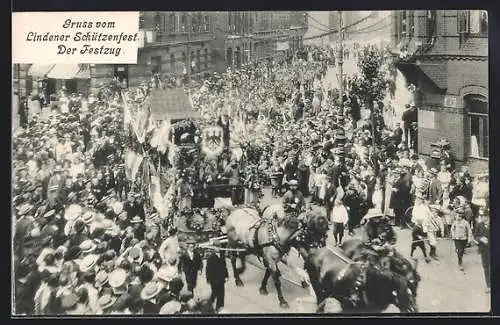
(357, 294)
(272, 233)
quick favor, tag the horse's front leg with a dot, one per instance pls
(237, 271)
(275, 273)
(263, 285)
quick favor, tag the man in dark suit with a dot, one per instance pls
(398, 134)
(191, 263)
(401, 198)
(217, 275)
(482, 237)
(23, 112)
(330, 194)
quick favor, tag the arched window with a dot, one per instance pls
(477, 111)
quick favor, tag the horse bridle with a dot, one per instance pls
(358, 293)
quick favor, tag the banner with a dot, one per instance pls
(212, 141)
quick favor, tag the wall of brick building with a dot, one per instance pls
(448, 124)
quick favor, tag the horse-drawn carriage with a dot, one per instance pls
(359, 285)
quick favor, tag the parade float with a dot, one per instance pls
(169, 145)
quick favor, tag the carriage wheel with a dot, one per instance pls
(408, 214)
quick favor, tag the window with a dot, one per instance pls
(431, 23)
(194, 24)
(463, 21)
(157, 22)
(184, 59)
(172, 62)
(411, 23)
(172, 23)
(478, 20)
(183, 23)
(477, 108)
(207, 23)
(483, 28)
(404, 21)
(156, 64)
(141, 22)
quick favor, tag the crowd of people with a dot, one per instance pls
(87, 241)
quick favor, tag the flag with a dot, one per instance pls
(132, 163)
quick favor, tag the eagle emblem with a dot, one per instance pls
(212, 142)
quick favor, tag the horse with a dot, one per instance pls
(356, 250)
(267, 238)
(357, 286)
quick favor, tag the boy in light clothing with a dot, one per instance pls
(339, 220)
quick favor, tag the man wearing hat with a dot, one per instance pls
(293, 200)
(435, 190)
(377, 231)
(217, 275)
(191, 263)
(54, 186)
(401, 197)
(482, 239)
(121, 183)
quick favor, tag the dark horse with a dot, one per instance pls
(357, 286)
(268, 238)
(356, 250)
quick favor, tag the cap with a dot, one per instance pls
(117, 278)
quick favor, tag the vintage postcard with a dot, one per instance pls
(250, 162)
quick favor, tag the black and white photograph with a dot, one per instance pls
(254, 162)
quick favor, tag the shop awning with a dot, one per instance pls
(173, 104)
(64, 71)
(84, 72)
(40, 70)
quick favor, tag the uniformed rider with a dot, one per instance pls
(293, 200)
(378, 234)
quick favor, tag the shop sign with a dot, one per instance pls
(426, 119)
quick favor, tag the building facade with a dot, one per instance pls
(173, 42)
(444, 53)
(246, 37)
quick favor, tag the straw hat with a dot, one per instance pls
(135, 255)
(88, 246)
(136, 219)
(151, 290)
(170, 308)
(88, 217)
(167, 273)
(117, 278)
(73, 212)
(106, 301)
(101, 278)
(69, 300)
(88, 262)
(24, 209)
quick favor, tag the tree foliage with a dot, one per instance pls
(374, 77)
